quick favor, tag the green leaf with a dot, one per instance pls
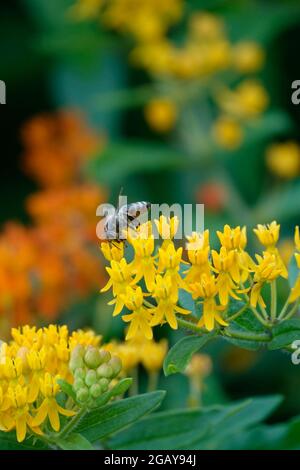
(246, 331)
(117, 390)
(8, 441)
(67, 389)
(181, 353)
(285, 333)
(75, 442)
(194, 429)
(116, 416)
(118, 160)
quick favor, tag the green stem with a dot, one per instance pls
(237, 314)
(291, 312)
(260, 337)
(71, 425)
(259, 318)
(134, 389)
(190, 326)
(273, 301)
(152, 381)
(264, 312)
(284, 309)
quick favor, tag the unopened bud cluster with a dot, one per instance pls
(93, 371)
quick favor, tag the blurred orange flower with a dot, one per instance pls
(46, 267)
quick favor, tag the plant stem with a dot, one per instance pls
(260, 337)
(259, 318)
(152, 381)
(273, 300)
(71, 425)
(291, 312)
(284, 309)
(134, 389)
(237, 314)
(190, 326)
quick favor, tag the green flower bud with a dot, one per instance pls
(78, 384)
(104, 355)
(91, 378)
(116, 364)
(92, 357)
(79, 373)
(76, 360)
(82, 395)
(95, 390)
(105, 371)
(103, 383)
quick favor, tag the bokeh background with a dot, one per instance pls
(177, 101)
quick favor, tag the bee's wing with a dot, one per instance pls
(137, 208)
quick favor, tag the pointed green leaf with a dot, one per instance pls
(181, 353)
(75, 442)
(118, 415)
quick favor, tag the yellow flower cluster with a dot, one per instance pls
(145, 20)
(283, 159)
(238, 106)
(148, 286)
(30, 366)
(139, 350)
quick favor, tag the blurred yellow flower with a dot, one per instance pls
(248, 57)
(228, 132)
(247, 101)
(283, 159)
(161, 114)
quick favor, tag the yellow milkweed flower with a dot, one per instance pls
(143, 264)
(167, 297)
(198, 250)
(120, 277)
(161, 114)
(227, 132)
(248, 57)
(17, 414)
(85, 338)
(111, 251)
(140, 318)
(167, 227)
(236, 239)
(267, 269)
(169, 260)
(207, 289)
(248, 100)
(268, 235)
(225, 264)
(295, 291)
(153, 354)
(206, 26)
(283, 159)
(233, 238)
(37, 362)
(49, 407)
(30, 366)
